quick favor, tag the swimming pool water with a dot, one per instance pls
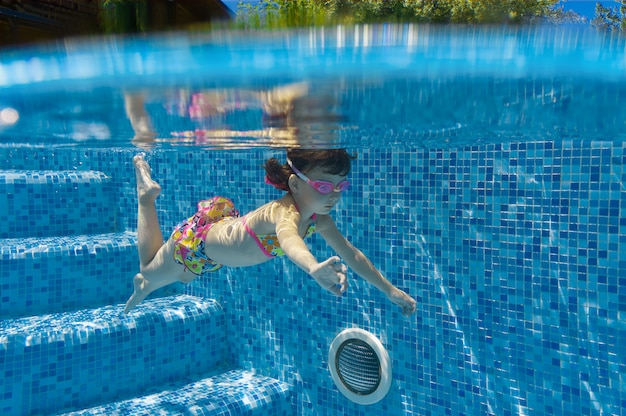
(423, 86)
(490, 189)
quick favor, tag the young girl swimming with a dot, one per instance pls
(218, 236)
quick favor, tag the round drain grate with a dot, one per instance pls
(359, 365)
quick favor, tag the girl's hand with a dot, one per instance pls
(400, 298)
(331, 275)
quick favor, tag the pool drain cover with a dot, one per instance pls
(359, 365)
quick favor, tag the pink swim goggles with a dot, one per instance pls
(323, 187)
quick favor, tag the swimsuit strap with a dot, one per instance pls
(255, 237)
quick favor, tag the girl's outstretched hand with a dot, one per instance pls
(403, 300)
(331, 275)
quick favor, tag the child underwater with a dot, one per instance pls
(216, 235)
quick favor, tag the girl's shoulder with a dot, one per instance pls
(276, 210)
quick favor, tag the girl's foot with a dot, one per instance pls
(140, 293)
(143, 287)
(147, 189)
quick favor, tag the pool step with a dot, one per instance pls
(75, 359)
(53, 274)
(51, 203)
(233, 392)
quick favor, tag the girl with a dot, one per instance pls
(216, 235)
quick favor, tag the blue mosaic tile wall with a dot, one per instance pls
(515, 253)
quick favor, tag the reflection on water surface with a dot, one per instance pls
(361, 86)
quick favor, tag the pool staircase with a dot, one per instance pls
(65, 345)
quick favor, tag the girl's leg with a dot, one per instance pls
(157, 264)
(149, 236)
(162, 271)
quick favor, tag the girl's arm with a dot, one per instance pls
(330, 274)
(361, 265)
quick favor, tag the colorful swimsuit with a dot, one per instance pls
(268, 243)
(190, 234)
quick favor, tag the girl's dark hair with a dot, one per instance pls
(333, 161)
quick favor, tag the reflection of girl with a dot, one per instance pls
(216, 235)
(276, 102)
(208, 105)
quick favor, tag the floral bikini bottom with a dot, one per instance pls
(189, 235)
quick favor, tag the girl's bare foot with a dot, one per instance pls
(147, 189)
(143, 287)
(139, 294)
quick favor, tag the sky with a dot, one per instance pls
(585, 8)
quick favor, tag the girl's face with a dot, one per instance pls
(315, 201)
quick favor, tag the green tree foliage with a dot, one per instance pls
(123, 16)
(274, 14)
(612, 19)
